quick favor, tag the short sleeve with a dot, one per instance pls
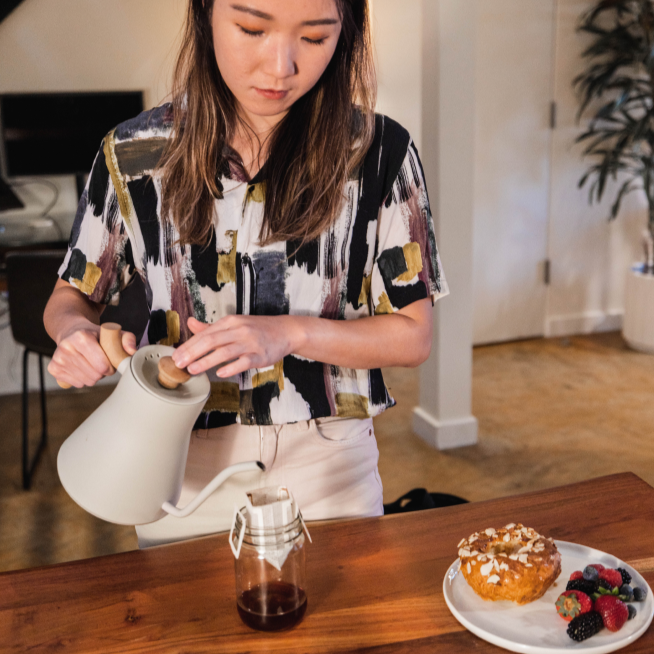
(407, 266)
(99, 260)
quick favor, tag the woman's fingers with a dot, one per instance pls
(196, 326)
(210, 338)
(79, 360)
(215, 358)
(129, 342)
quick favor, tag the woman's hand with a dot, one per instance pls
(240, 343)
(80, 361)
(245, 342)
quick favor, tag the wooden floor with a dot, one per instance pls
(550, 411)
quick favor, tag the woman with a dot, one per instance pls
(284, 237)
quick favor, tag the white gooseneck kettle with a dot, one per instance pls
(125, 463)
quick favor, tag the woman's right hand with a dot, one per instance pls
(80, 361)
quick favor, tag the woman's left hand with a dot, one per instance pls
(245, 342)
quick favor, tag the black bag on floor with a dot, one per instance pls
(419, 499)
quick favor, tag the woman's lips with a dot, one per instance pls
(271, 94)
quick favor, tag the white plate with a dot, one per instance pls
(536, 628)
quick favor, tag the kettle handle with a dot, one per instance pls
(248, 466)
(111, 342)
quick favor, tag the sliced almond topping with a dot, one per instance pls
(504, 566)
(528, 565)
(490, 532)
(468, 568)
(510, 525)
(463, 540)
(486, 568)
(502, 554)
(507, 538)
(523, 558)
(513, 557)
(493, 580)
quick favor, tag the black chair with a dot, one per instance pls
(31, 276)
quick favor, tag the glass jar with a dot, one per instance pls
(270, 575)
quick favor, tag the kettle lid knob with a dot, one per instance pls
(170, 376)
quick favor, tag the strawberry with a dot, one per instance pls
(572, 603)
(598, 566)
(577, 574)
(612, 576)
(614, 612)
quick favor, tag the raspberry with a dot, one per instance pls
(614, 612)
(588, 587)
(578, 574)
(598, 566)
(572, 603)
(584, 626)
(612, 576)
(626, 577)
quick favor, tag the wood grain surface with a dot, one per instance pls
(374, 585)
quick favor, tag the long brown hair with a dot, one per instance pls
(312, 152)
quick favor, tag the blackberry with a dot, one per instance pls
(585, 625)
(626, 577)
(585, 586)
(640, 594)
(632, 611)
(604, 584)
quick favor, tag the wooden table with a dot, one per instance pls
(374, 585)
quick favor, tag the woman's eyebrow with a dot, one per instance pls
(261, 14)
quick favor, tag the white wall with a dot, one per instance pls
(82, 45)
(398, 50)
(590, 256)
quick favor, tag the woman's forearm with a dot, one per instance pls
(68, 310)
(400, 339)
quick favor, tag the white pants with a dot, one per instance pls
(329, 464)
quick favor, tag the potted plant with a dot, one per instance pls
(617, 89)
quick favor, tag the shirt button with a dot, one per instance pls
(251, 416)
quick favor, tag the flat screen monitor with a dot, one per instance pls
(59, 133)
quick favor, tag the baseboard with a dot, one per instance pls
(444, 434)
(584, 323)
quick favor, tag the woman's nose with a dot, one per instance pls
(282, 60)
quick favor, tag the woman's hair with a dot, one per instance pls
(312, 151)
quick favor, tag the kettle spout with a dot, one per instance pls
(247, 466)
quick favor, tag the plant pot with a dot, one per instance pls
(638, 325)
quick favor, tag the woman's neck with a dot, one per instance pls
(251, 139)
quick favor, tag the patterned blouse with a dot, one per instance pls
(379, 256)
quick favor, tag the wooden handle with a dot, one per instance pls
(111, 343)
(170, 376)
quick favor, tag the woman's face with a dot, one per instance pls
(271, 52)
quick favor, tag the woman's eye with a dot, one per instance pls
(315, 41)
(251, 32)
